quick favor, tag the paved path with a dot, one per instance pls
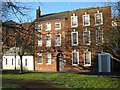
(34, 84)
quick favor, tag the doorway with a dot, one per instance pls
(60, 62)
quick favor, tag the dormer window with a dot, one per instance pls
(74, 21)
(57, 25)
(39, 27)
(98, 18)
(86, 19)
(48, 27)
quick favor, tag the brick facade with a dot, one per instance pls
(66, 47)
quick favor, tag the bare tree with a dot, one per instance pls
(19, 11)
(114, 45)
(14, 10)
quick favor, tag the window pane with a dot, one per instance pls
(99, 37)
(39, 40)
(86, 19)
(25, 62)
(57, 25)
(39, 27)
(12, 61)
(48, 26)
(75, 58)
(74, 38)
(98, 18)
(57, 40)
(6, 61)
(40, 59)
(48, 58)
(74, 20)
(87, 57)
(48, 40)
(86, 37)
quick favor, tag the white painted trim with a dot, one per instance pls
(60, 39)
(38, 27)
(72, 38)
(88, 15)
(89, 57)
(76, 20)
(40, 54)
(40, 42)
(99, 36)
(89, 38)
(59, 25)
(49, 27)
(49, 63)
(101, 19)
(77, 58)
(48, 41)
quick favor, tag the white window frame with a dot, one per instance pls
(88, 19)
(84, 38)
(59, 25)
(76, 38)
(48, 45)
(56, 40)
(99, 36)
(101, 18)
(39, 28)
(48, 26)
(49, 62)
(89, 57)
(77, 58)
(75, 20)
(40, 41)
(40, 54)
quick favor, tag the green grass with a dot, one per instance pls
(8, 86)
(70, 80)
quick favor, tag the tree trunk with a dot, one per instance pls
(21, 67)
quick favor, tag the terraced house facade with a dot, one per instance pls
(71, 40)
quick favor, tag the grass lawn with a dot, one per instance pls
(70, 80)
(8, 85)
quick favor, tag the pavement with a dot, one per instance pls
(34, 84)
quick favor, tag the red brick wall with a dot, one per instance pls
(66, 42)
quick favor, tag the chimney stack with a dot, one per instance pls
(38, 13)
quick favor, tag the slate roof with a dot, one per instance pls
(61, 15)
(52, 16)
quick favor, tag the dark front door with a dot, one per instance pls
(60, 63)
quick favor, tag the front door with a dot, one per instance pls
(60, 63)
